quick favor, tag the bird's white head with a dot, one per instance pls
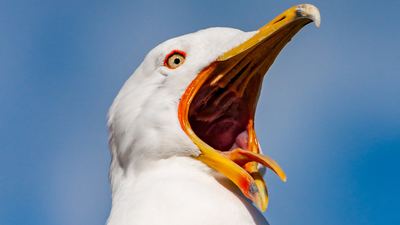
(196, 95)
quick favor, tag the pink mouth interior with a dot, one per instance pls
(219, 118)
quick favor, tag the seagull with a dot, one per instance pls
(182, 139)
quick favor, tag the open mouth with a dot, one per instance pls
(217, 109)
(220, 112)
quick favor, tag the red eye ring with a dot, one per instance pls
(174, 59)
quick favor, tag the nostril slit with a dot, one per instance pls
(280, 19)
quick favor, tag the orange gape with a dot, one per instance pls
(242, 163)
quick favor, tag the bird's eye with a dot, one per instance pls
(174, 59)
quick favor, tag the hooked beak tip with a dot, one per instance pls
(309, 11)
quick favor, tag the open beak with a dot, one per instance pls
(217, 109)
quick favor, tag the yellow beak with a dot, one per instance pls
(238, 75)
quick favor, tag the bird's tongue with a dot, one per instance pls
(241, 141)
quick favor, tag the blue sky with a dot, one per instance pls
(329, 112)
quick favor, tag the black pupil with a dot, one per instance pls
(177, 60)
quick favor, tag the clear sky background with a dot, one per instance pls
(329, 113)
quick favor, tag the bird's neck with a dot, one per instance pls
(179, 190)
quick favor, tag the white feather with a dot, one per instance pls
(153, 177)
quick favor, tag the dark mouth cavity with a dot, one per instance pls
(219, 117)
(218, 124)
